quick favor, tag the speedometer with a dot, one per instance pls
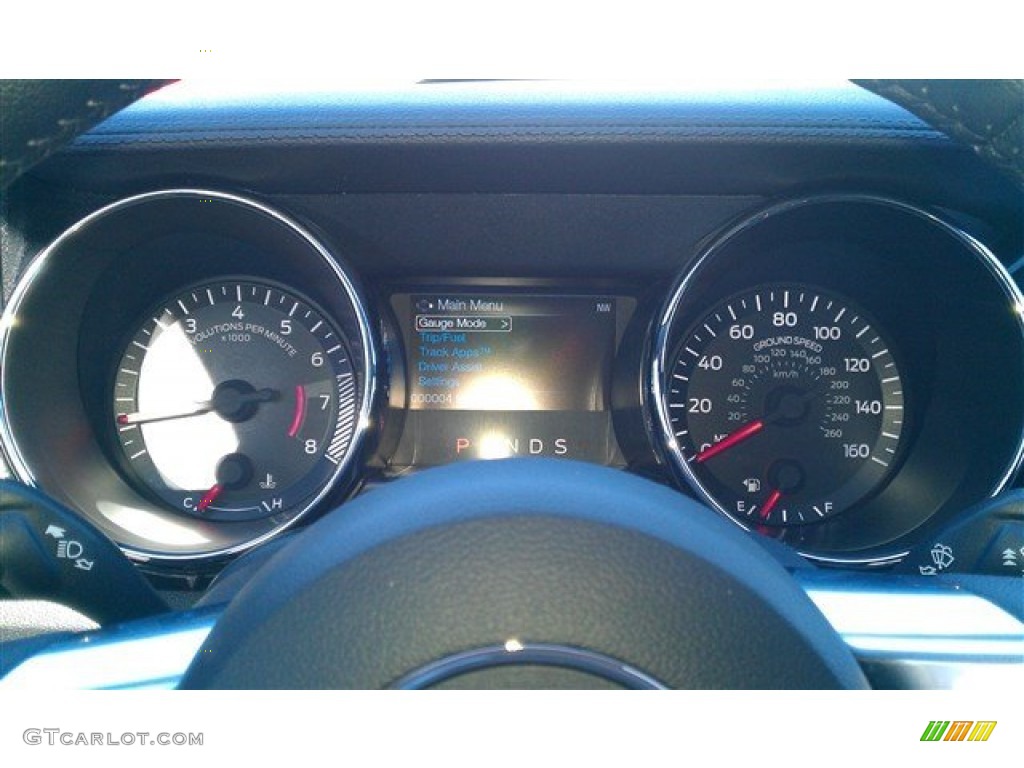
(784, 405)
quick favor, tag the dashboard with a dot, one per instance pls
(228, 315)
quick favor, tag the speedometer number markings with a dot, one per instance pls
(784, 408)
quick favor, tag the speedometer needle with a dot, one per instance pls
(729, 441)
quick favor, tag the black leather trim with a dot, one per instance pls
(38, 117)
(987, 115)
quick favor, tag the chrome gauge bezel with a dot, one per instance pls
(695, 292)
(305, 251)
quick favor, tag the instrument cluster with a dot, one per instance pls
(199, 372)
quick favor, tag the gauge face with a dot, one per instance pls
(785, 406)
(235, 400)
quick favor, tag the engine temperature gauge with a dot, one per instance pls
(235, 400)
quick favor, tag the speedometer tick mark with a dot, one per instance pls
(863, 331)
(691, 351)
(879, 461)
(183, 307)
(731, 312)
(814, 303)
(840, 315)
(879, 354)
(318, 324)
(708, 329)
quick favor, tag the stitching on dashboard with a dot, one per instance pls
(862, 125)
(286, 134)
(990, 143)
(93, 108)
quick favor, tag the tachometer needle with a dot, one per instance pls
(125, 419)
(729, 441)
(229, 400)
(209, 497)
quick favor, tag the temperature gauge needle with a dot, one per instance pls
(209, 497)
(729, 441)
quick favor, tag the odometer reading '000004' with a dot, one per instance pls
(785, 406)
(235, 400)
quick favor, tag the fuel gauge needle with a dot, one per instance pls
(770, 503)
(731, 440)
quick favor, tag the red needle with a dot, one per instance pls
(209, 497)
(726, 443)
(769, 505)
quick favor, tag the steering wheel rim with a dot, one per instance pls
(540, 553)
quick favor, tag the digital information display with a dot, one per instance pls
(508, 374)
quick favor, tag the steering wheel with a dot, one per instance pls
(524, 572)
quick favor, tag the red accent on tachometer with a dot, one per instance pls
(300, 411)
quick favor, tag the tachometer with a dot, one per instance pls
(784, 405)
(235, 400)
